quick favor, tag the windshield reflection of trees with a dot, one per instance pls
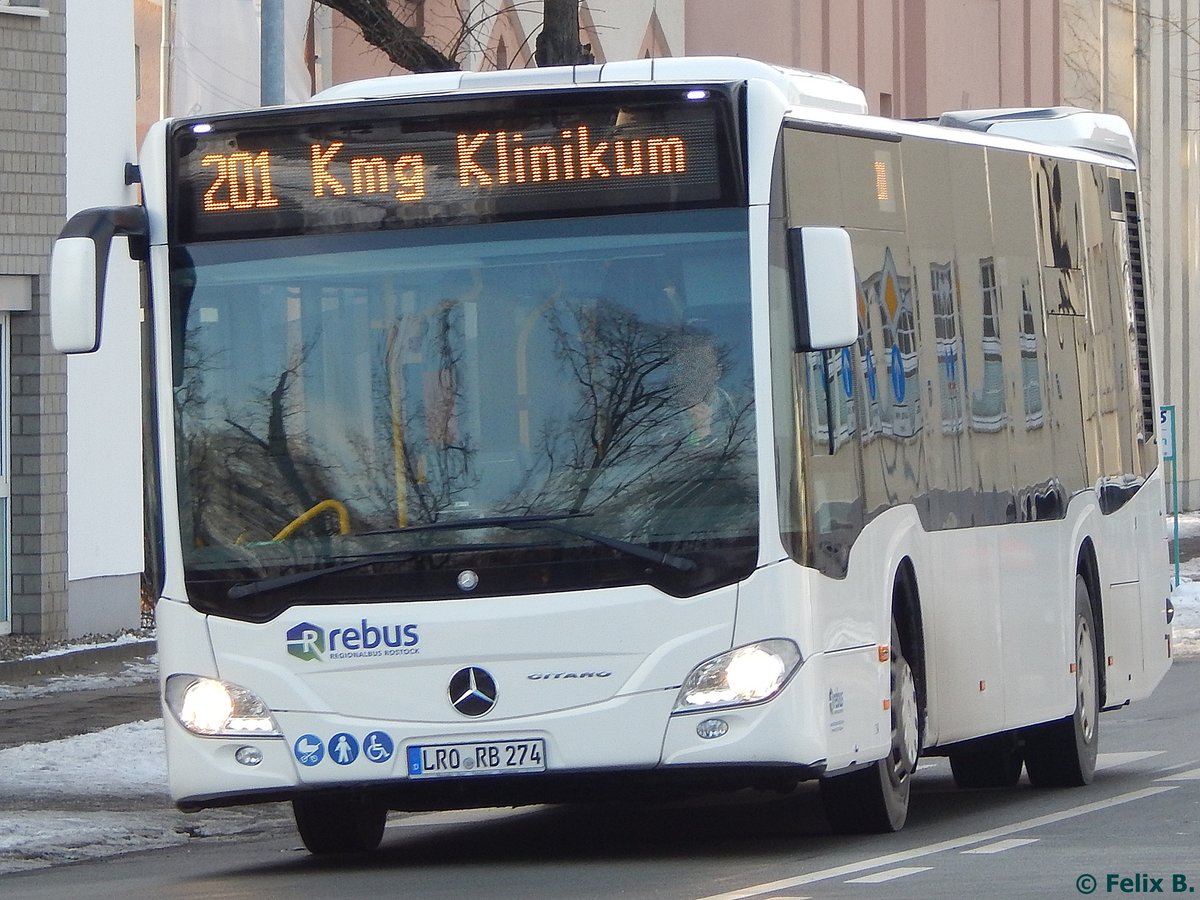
(644, 431)
(642, 426)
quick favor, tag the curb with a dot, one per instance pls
(76, 661)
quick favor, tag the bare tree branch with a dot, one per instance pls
(557, 44)
(382, 29)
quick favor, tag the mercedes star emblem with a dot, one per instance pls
(472, 691)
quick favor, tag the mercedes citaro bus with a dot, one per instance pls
(528, 436)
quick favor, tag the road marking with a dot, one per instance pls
(1193, 775)
(889, 875)
(1111, 760)
(978, 837)
(1001, 846)
(1179, 767)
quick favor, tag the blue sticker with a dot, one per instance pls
(951, 366)
(898, 383)
(847, 374)
(872, 381)
(414, 761)
(378, 747)
(343, 749)
(309, 749)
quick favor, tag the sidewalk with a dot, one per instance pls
(79, 691)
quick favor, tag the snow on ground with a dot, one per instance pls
(99, 795)
(138, 671)
(1185, 633)
(119, 640)
(110, 768)
(128, 762)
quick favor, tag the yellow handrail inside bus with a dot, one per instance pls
(304, 518)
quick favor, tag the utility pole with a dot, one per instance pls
(270, 60)
(164, 59)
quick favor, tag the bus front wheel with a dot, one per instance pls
(339, 824)
(875, 799)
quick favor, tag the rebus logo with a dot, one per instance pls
(311, 642)
(306, 641)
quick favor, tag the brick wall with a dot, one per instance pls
(32, 208)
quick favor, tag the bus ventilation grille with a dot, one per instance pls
(1141, 329)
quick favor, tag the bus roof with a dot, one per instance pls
(799, 87)
(809, 94)
(1064, 126)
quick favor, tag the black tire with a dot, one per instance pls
(993, 762)
(874, 800)
(1063, 753)
(339, 823)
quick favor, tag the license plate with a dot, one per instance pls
(484, 758)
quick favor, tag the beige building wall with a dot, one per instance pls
(147, 52)
(1139, 58)
(1166, 34)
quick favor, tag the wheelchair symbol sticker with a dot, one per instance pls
(378, 747)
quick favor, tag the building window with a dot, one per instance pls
(23, 8)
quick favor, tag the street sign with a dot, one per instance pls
(1166, 432)
(1166, 437)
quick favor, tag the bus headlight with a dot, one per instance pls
(213, 708)
(749, 674)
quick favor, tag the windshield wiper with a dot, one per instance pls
(533, 519)
(552, 522)
(275, 582)
(670, 560)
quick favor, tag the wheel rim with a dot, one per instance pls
(905, 733)
(1085, 680)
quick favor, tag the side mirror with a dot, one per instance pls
(824, 288)
(78, 267)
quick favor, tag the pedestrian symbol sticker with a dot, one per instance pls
(309, 749)
(343, 749)
(378, 747)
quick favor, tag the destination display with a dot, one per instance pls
(405, 164)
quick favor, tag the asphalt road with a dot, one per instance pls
(1139, 821)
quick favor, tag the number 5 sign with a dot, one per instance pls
(1166, 432)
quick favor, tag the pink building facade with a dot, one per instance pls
(913, 58)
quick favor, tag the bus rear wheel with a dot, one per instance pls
(875, 799)
(339, 823)
(1063, 753)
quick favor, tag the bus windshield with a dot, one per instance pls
(336, 395)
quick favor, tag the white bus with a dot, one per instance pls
(529, 436)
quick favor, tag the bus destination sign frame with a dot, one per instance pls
(418, 162)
